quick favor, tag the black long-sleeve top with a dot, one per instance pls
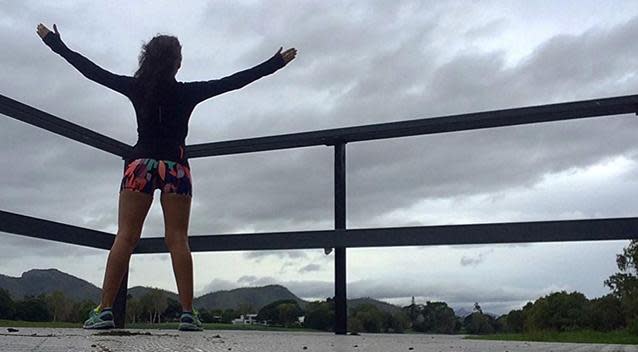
(162, 125)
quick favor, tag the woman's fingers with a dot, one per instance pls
(289, 54)
(55, 28)
(42, 30)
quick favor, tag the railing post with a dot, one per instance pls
(341, 308)
(119, 305)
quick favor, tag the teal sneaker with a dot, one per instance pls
(190, 322)
(99, 319)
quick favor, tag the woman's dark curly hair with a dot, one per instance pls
(158, 62)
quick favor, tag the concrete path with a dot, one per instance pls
(68, 340)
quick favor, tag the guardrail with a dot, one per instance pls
(340, 238)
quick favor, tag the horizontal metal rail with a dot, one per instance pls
(39, 118)
(451, 123)
(489, 233)
(489, 119)
(50, 230)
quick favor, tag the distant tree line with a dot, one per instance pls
(558, 311)
(562, 311)
(153, 307)
(52, 307)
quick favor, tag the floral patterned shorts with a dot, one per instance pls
(145, 175)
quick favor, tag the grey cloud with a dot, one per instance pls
(573, 63)
(296, 185)
(438, 166)
(247, 278)
(309, 288)
(453, 294)
(284, 266)
(15, 247)
(485, 246)
(309, 268)
(217, 285)
(258, 255)
(350, 20)
(262, 281)
(493, 27)
(474, 260)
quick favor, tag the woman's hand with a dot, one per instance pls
(42, 30)
(288, 55)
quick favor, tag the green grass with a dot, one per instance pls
(217, 326)
(37, 324)
(586, 336)
(168, 326)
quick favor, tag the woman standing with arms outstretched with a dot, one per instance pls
(163, 107)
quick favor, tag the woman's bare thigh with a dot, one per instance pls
(132, 211)
(176, 209)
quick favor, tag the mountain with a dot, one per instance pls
(139, 291)
(46, 281)
(382, 306)
(255, 297)
(37, 281)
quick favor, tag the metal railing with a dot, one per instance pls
(340, 238)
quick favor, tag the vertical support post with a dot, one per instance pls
(119, 305)
(341, 309)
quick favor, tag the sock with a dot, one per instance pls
(107, 317)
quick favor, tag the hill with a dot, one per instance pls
(382, 306)
(139, 291)
(255, 297)
(46, 281)
(37, 281)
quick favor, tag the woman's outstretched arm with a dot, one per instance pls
(119, 83)
(199, 91)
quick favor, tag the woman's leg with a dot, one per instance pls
(133, 208)
(176, 208)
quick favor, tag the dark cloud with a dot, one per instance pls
(446, 165)
(293, 187)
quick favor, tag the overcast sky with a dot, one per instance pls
(357, 63)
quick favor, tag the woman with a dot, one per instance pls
(163, 107)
